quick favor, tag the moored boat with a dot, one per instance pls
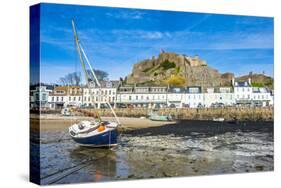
(96, 133)
(154, 116)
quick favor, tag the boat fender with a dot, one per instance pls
(101, 128)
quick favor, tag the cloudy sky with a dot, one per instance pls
(114, 39)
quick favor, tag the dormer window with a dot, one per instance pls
(60, 92)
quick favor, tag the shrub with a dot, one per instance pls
(168, 65)
(176, 80)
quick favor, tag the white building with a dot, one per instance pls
(100, 96)
(63, 96)
(39, 96)
(193, 97)
(142, 96)
(246, 94)
(219, 96)
(175, 97)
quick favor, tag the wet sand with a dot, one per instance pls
(58, 122)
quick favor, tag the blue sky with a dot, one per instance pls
(115, 39)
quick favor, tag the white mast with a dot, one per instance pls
(80, 49)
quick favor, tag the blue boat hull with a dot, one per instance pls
(108, 138)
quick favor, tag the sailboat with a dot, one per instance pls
(95, 133)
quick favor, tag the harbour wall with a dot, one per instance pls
(228, 113)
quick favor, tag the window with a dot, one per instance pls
(105, 92)
(69, 98)
(112, 98)
(59, 92)
(53, 98)
(57, 98)
(74, 98)
(130, 97)
(44, 96)
(89, 98)
(109, 92)
(137, 97)
(61, 98)
(78, 98)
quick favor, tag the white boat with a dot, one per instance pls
(66, 112)
(96, 133)
(218, 119)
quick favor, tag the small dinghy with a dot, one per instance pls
(154, 116)
(96, 133)
(220, 119)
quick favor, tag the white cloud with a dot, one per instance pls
(126, 15)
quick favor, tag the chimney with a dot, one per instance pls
(249, 81)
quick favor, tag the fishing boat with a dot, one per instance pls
(154, 116)
(95, 133)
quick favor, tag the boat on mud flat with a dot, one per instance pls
(154, 116)
(218, 119)
(95, 133)
(66, 112)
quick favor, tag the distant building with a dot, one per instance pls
(246, 94)
(100, 96)
(63, 96)
(142, 96)
(241, 93)
(39, 96)
(219, 96)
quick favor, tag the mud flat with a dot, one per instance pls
(187, 148)
(149, 149)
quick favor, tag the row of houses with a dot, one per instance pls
(240, 93)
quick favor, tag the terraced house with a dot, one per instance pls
(241, 93)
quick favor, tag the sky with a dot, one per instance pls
(116, 38)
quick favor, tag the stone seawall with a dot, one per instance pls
(253, 114)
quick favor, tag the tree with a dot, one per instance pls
(100, 74)
(176, 80)
(167, 65)
(73, 79)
